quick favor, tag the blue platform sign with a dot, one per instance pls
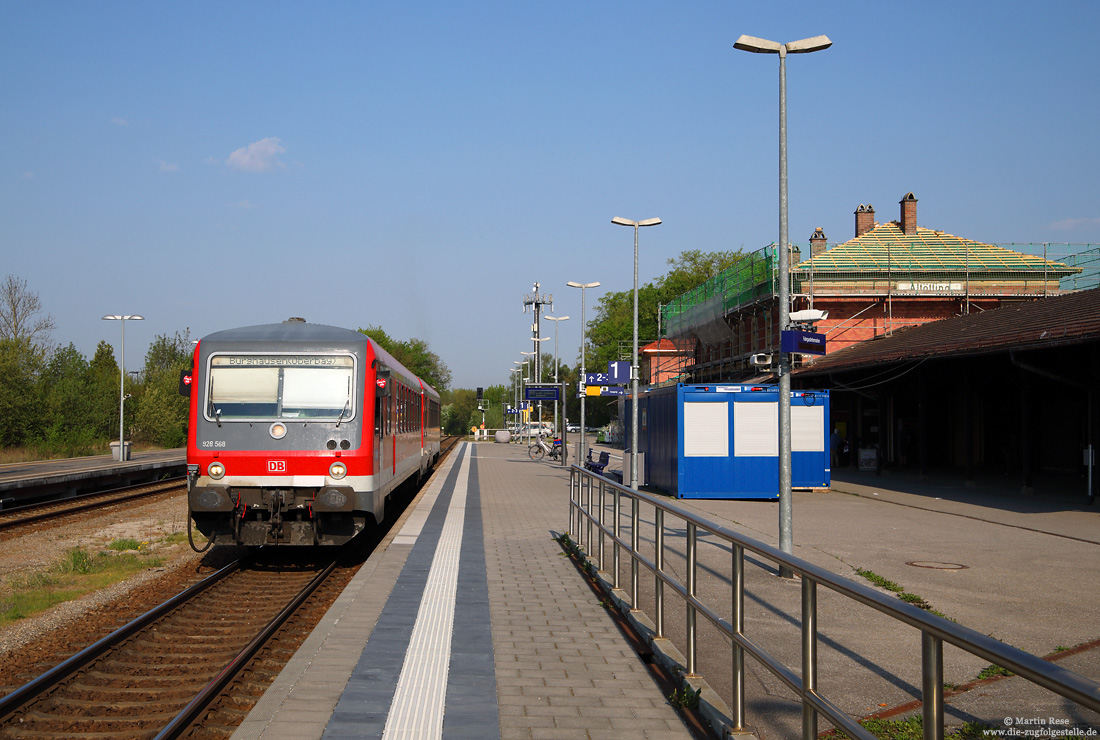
(802, 342)
(613, 390)
(618, 372)
(595, 379)
(542, 393)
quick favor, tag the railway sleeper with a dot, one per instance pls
(257, 516)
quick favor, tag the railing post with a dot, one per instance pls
(634, 552)
(809, 656)
(588, 517)
(599, 543)
(572, 502)
(615, 544)
(931, 660)
(692, 559)
(659, 562)
(738, 622)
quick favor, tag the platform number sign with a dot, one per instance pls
(618, 372)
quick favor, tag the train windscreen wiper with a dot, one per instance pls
(347, 408)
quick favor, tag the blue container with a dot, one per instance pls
(722, 441)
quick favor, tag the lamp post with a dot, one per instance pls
(584, 429)
(763, 46)
(122, 376)
(515, 394)
(634, 352)
(523, 393)
(556, 319)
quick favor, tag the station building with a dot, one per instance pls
(942, 352)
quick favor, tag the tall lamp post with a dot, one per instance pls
(523, 393)
(763, 46)
(122, 376)
(556, 319)
(634, 355)
(584, 429)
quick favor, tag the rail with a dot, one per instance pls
(587, 521)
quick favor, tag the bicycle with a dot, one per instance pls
(540, 449)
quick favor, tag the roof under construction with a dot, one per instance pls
(1073, 318)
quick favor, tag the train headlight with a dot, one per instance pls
(216, 470)
(277, 430)
(338, 470)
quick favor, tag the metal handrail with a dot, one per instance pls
(934, 630)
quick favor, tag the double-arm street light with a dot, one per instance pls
(556, 319)
(122, 376)
(763, 46)
(634, 357)
(584, 395)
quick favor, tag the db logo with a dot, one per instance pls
(276, 466)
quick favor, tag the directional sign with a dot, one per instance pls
(802, 342)
(613, 390)
(596, 379)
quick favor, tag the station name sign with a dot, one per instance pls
(802, 342)
(930, 287)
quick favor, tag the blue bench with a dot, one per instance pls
(597, 466)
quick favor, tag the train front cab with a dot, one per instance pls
(275, 447)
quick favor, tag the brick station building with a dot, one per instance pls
(889, 276)
(897, 274)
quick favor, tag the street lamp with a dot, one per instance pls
(584, 395)
(122, 376)
(634, 356)
(763, 46)
(556, 319)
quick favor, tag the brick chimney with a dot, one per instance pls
(817, 242)
(865, 219)
(909, 214)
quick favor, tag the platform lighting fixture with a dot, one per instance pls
(634, 350)
(122, 375)
(556, 319)
(764, 46)
(584, 429)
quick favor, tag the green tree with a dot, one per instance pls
(161, 413)
(103, 388)
(614, 321)
(67, 404)
(458, 409)
(20, 403)
(415, 355)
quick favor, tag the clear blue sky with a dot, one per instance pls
(418, 165)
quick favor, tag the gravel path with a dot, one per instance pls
(21, 556)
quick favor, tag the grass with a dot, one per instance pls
(900, 592)
(912, 728)
(78, 573)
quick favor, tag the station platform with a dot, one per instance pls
(467, 622)
(72, 475)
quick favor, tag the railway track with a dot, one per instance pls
(20, 516)
(195, 664)
(156, 675)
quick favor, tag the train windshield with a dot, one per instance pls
(306, 387)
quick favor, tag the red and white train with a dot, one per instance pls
(298, 433)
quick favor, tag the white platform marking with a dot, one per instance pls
(417, 707)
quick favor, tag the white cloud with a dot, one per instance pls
(120, 121)
(259, 156)
(166, 166)
(1071, 224)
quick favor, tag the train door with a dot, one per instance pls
(383, 428)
